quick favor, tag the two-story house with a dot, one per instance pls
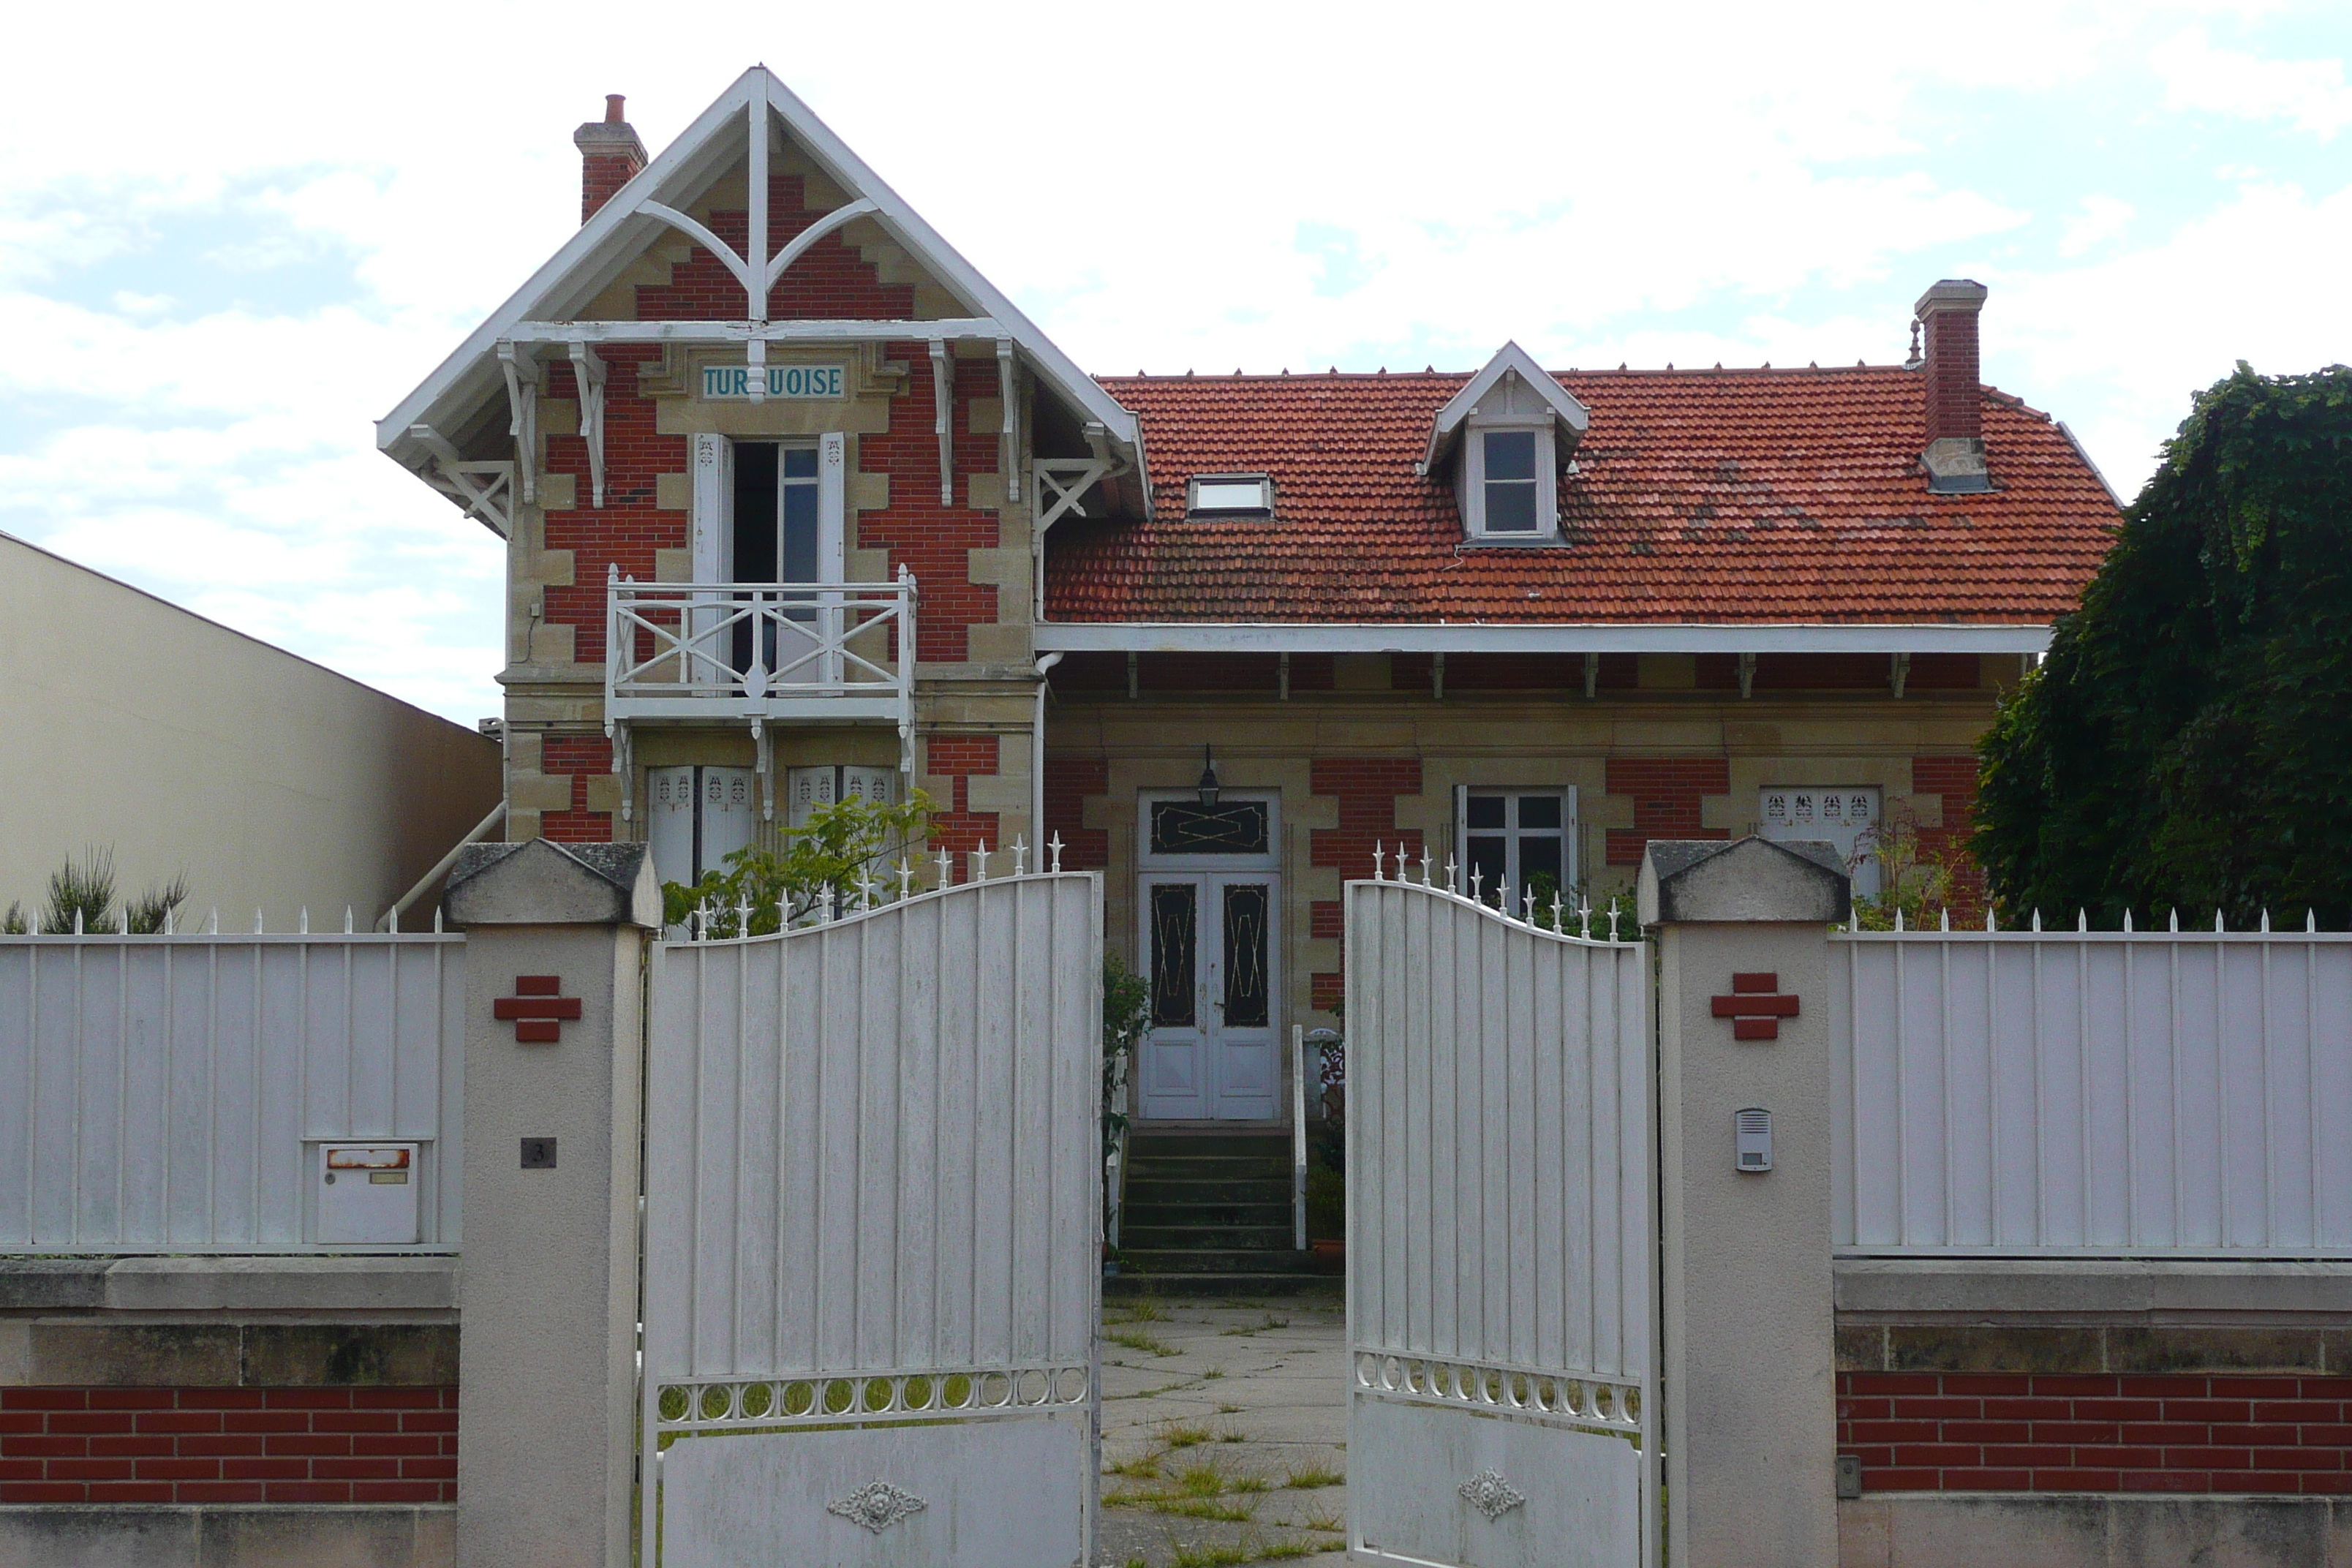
(799, 505)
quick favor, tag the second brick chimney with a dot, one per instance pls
(1955, 455)
(610, 155)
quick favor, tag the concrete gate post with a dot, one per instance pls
(1743, 1026)
(555, 943)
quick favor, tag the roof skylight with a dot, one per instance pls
(1231, 495)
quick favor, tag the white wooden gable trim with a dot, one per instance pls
(543, 309)
(1507, 358)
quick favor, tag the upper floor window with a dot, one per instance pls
(1231, 495)
(1505, 489)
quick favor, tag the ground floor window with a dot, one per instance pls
(696, 817)
(808, 789)
(1526, 838)
(1847, 816)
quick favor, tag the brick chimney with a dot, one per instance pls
(610, 153)
(1954, 456)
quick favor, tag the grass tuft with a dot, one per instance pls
(1140, 1340)
(1307, 1477)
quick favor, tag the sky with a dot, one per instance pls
(231, 238)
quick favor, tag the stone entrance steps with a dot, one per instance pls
(1210, 1212)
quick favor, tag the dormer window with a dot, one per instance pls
(1504, 436)
(1231, 495)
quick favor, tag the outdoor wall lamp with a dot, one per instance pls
(1208, 777)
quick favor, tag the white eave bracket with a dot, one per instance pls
(523, 382)
(481, 489)
(589, 371)
(942, 417)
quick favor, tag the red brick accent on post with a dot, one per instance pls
(229, 1445)
(577, 756)
(2168, 1432)
(1948, 318)
(1666, 791)
(610, 157)
(1068, 782)
(958, 828)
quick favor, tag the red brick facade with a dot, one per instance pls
(1068, 782)
(229, 1445)
(577, 757)
(1666, 792)
(2169, 1432)
(1954, 780)
(956, 828)
(1367, 788)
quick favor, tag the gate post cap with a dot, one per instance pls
(541, 883)
(1750, 879)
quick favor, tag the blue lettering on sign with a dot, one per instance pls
(732, 381)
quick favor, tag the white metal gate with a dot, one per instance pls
(873, 1236)
(1502, 1296)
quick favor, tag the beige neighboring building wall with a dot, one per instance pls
(271, 782)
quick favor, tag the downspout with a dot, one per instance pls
(1037, 759)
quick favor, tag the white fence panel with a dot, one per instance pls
(2122, 1093)
(1501, 1261)
(874, 1190)
(170, 1093)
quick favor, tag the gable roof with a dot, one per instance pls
(1510, 360)
(591, 259)
(1722, 497)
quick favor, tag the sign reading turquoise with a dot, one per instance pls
(734, 381)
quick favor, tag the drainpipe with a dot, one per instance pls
(1037, 759)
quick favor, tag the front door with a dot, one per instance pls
(1209, 945)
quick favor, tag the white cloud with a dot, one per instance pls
(2101, 219)
(2195, 75)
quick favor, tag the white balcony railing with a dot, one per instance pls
(817, 651)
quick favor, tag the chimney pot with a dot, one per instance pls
(1953, 387)
(610, 157)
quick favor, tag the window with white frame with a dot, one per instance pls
(1230, 494)
(1508, 496)
(1526, 838)
(696, 817)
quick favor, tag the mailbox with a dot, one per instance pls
(367, 1194)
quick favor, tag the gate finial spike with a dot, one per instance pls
(1586, 913)
(2266, 919)
(947, 867)
(1503, 894)
(77, 930)
(2127, 923)
(742, 917)
(1990, 925)
(1020, 855)
(1898, 917)
(980, 862)
(1478, 892)
(1613, 919)
(306, 921)
(256, 921)
(829, 898)
(436, 919)
(2217, 922)
(2175, 917)
(1528, 899)
(212, 923)
(347, 919)
(906, 877)
(1380, 860)
(122, 920)
(2082, 919)
(1056, 847)
(1557, 924)
(172, 926)
(1948, 917)
(2311, 919)
(1451, 885)
(2037, 917)
(1424, 865)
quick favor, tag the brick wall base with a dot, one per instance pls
(2097, 1432)
(229, 1445)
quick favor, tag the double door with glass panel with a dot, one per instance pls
(777, 538)
(1209, 941)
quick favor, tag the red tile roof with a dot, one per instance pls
(1728, 496)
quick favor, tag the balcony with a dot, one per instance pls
(761, 652)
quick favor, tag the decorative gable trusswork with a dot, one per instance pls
(563, 314)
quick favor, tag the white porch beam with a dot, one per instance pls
(1590, 638)
(952, 329)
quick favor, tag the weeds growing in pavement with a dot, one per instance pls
(1309, 1476)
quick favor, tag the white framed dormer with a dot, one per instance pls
(1506, 435)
